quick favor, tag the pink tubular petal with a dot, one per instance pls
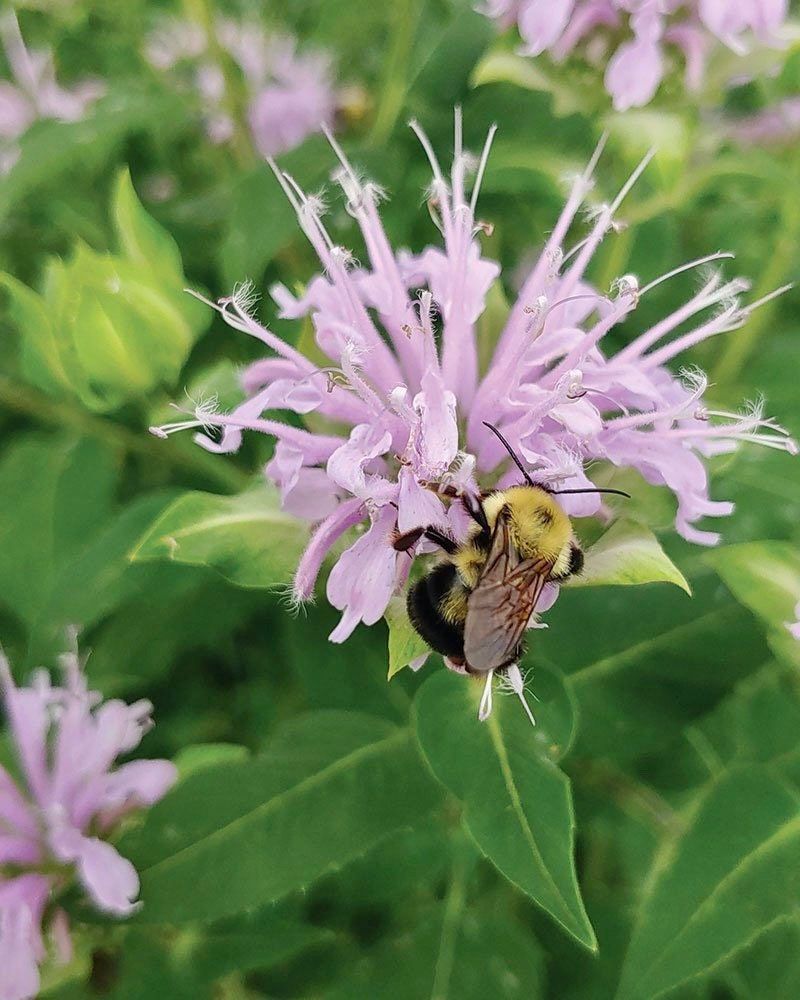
(363, 580)
(27, 716)
(634, 73)
(346, 516)
(110, 879)
(346, 465)
(19, 969)
(62, 940)
(541, 23)
(417, 506)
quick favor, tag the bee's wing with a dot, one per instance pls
(500, 606)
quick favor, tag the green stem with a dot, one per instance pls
(454, 907)
(19, 398)
(395, 81)
(782, 262)
(234, 98)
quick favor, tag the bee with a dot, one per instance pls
(474, 606)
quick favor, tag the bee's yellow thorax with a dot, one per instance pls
(537, 525)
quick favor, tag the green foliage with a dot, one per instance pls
(517, 804)
(765, 577)
(728, 874)
(228, 824)
(246, 538)
(108, 327)
(628, 553)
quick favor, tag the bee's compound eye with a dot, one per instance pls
(575, 559)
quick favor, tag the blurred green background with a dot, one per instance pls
(661, 694)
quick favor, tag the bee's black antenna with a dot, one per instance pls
(619, 493)
(510, 450)
(530, 482)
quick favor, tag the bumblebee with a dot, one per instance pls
(474, 606)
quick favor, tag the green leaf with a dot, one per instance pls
(141, 239)
(109, 327)
(405, 643)
(730, 873)
(56, 493)
(248, 244)
(531, 74)
(185, 964)
(454, 953)
(246, 538)
(770, 967)
(190, 613)
(50, 148)
(196, 758)
(628, 553)
(330, 786)
(637, 660)
(39, 354)
(758, 722)
(517, 803)
(765, 577)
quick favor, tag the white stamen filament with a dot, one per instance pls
(668, 413)
(721, 255)
(768, 298)
(476, 187)
(485, 707)
(517, 684)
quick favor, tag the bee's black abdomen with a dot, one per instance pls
(424, 599)
(575, 559)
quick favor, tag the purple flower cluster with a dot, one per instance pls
(290, 95)
(402, 403)
(56, 817)
(652, 32)
(34, 92)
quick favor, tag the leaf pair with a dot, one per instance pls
(108, 327)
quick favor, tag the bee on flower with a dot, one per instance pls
(406, 419)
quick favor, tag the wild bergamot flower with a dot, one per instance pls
(58, 813)
(289, 94)
(653, 34)
(406, 400)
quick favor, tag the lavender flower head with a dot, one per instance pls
(402, 404)
(34, 92)
(653, 34)
(57, 817)
(289, 94)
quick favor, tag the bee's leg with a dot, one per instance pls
(402, 543)
(474, 507)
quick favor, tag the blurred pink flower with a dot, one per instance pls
(650, 31)
(56, 819)
(290, 94)
(403, 401)
(778, 123)
(794, 627)
(34, 93)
